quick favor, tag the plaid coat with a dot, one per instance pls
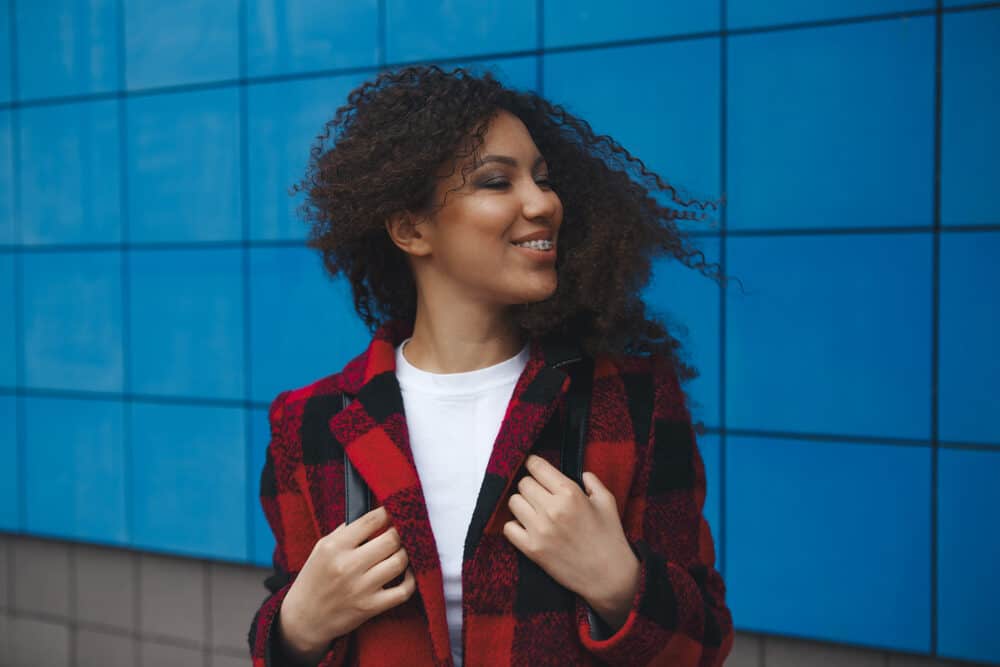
(514, 613)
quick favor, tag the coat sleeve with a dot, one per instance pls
(679, 615)
(289, 515)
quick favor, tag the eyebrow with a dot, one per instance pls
(507, 160)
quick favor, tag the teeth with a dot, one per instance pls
(537, 245)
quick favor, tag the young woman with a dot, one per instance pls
(492, 242)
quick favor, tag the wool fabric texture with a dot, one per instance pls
(514, 612)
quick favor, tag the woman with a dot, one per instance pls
(492, 242)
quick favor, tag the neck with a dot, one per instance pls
(456, 337)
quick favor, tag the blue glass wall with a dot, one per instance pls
(155, 293)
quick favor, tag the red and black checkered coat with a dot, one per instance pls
(513, 612)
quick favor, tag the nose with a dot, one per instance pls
(540, 202)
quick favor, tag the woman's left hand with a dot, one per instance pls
(576, 537)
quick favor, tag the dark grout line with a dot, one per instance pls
(590, 46)
(126, 286)
(136, 562)
(207, 630)
(723, 233)
(540, 44)
(235, 244)
(248, 415)
(935, 325)
(380, 35)
(73, 603)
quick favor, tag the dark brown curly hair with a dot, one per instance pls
(393, 137)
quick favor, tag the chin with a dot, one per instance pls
(540, 293)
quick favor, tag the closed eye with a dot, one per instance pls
(502, 184)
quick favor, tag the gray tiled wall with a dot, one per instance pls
(75, 605)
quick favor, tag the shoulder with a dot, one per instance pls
(645, 378)
(293, 402)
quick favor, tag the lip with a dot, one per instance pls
(539, 255)
(542, 235)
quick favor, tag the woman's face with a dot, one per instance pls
(467, 248)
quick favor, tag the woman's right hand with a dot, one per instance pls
(341, 584)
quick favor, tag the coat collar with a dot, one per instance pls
(373, 433)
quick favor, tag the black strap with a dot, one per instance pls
(358, 499)
(581, 374)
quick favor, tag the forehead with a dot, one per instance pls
(506, 129)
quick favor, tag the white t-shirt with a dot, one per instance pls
(453, 420)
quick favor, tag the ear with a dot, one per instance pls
(402, 228)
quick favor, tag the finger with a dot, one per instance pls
(592, 484)
(365, 526)
(386, 570)
(522, 510)
(387, 598)
(547, 475)
(534, 493)
(379, 548)
(515, 534)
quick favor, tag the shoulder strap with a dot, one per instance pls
(358, 499)
(581, 374)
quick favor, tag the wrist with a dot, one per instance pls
(293, 643)
(614, 604)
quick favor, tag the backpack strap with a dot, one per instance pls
(581, 372)
(358, 498)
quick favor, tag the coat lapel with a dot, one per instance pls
(372, 431)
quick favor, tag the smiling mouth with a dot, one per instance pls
(543, 246)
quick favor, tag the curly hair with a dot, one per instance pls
(397, 132)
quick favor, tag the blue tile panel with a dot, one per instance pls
(825, 129)
(569, 22)
(430, 29)
(70, 173)
(671, 118)
(8, 321)
(289, 36)
(711, 453)
(10, 477)
(7, 233)
(688, 302)
(968, 550)
(303, 324)
(5, 30)
(747, 13)
(970, 106)
(833, 334)
(261, 538)
(189, 480)
(75, 469)
(186, 318)
(830, 540)
(183, 156)
(969, 321)
(519, 72)
(283, 120)
(73, 320)
(173, 42)
(72, 49)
